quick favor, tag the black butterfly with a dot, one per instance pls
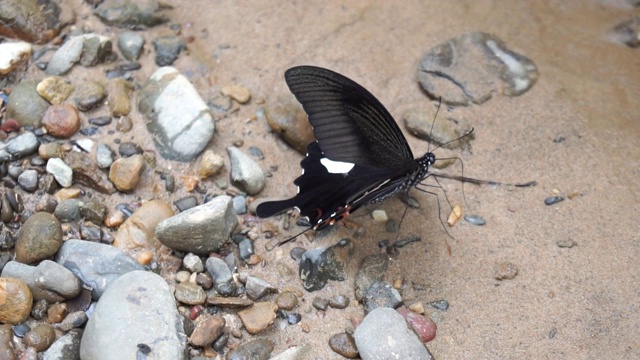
(360, 156)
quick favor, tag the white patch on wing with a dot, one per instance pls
(336, 167)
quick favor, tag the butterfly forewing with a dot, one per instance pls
(350, 124)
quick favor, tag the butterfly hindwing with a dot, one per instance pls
(350, 124)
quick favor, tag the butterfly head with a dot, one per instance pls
(424, 163)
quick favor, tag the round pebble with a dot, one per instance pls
(40, 238)
(17, 302)
(40, 337)
(207, 331)
(286, 300)
(61, 120)
(506, 271)
(125, 172)
(553, 200)
(344, 344)
(475, 219)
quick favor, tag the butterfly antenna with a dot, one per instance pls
(272, 245)
(434, 122)
(454, 140)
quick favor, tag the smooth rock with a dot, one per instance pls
(288, 119)
(89, 95)
(344, 344)
(132, 14)
(60, 171)
(40, 337)
(473, 66)
(237, 92)
(207, 331)
(258, 316)
(419, 120)
(245, 172)
(130, 44)
(423, 326)
(119, 96)
(259, 349)
(381, 294)
(40, 237)
(13, 54)
(257, 288)
(190, 293)
(125, 172)
(201, 229)
(79, 48)
(168, 49)
(18, 147)
(384, 334)
(28, 180)
(25, 104)
(61, 121)
(75, 319)
(210, 163)
(286, 300)
(87, 172)
(177, 118)
(15, 301)
(49, 280)
(97, 265)
(54, 89)
(221, 274)
(67, 347)
(104, 156)
(137, 309)
(138, 231)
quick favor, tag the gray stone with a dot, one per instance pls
(60, 171)
(190, 293)
(67, 347)
(221, 274)
(193, 263)
(246, 174)
(104, 156)
(318, 266)
(49, 280)
(68, 210)
(25, 105)
(259, 349)
(379, 295)
(137, 309)
(257, 288)
(18, 147)
(246, 249)
(177, 118)
(132, 14)
(130, 44)
(201, 229)
(74, 320)
(97, 265)
(168, 48)
(29, 180)
(240, 204)
(371, 270)
(72, 52)
(384, 334)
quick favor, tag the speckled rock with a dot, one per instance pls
(245, 172)
(12, 54)
(125, 172)
(320, 265)
(15, 301)
(201, 229)
(96, 265)
(259, 316)
(25, 104)
(138, 308)
(178, 119)
(54, 89)
(61, 121)
(40, 237)
(168, 49)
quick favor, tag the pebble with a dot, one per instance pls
(256, 152)
(87, 172)
(422, 325)
(124, 124)
(229, 302)
(75, 319)
(178, 120)
(259, 349)
(246, 174)
(97, 265)
(506, 271)
(628, 32)
(475, 219)
(65, 347)
(553, 200)
(130, 44)
(286, 300)
(210, 163)
(6, 343)
(186, 203)
(168, 49)
(82, 48)
(25, 105)
(128, 149)
(60, 171)
(221, 274)
(204, 279)
(21, 329)
(54, 89)
(49, 280)
(12, 54)
(293, 318)
(17, 301)
(237, 92)
(339, 301)
(112, 12)
(50, 150)
(258, 317)
(28, 180)
(18, 147)
(371, 270)
(566, 243)
(320, 265)
(40, 337)
(89, 95)
(288, 119)
(136, 309)
(240, 204)
(119, 96)
(441, 305)
(104, 156)
(57, 312)
(200, 230)
(384, 334)
(40, 238)
(379, 295)
(125, 172)
(246, 249)
(471, 67)
(320, 303)
(455, 215)
(193, 263)
(207, 331)
(418, 119)
(189, 293)
(344, 344)
(257, 288)
(379, 216)
(61, 121)
(136, 233)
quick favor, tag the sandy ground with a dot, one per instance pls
(574, 303)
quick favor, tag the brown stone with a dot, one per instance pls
(15, 301)
(40, 238)
(61, 120)
(259, 316)
(125, 172)
(207, 331)
(119, 97)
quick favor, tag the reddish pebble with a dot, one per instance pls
(61, 120)
(194, 312)
(10, 125)
(422, 325)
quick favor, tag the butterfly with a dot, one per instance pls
(360, 156)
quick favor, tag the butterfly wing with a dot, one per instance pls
(350, 124)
